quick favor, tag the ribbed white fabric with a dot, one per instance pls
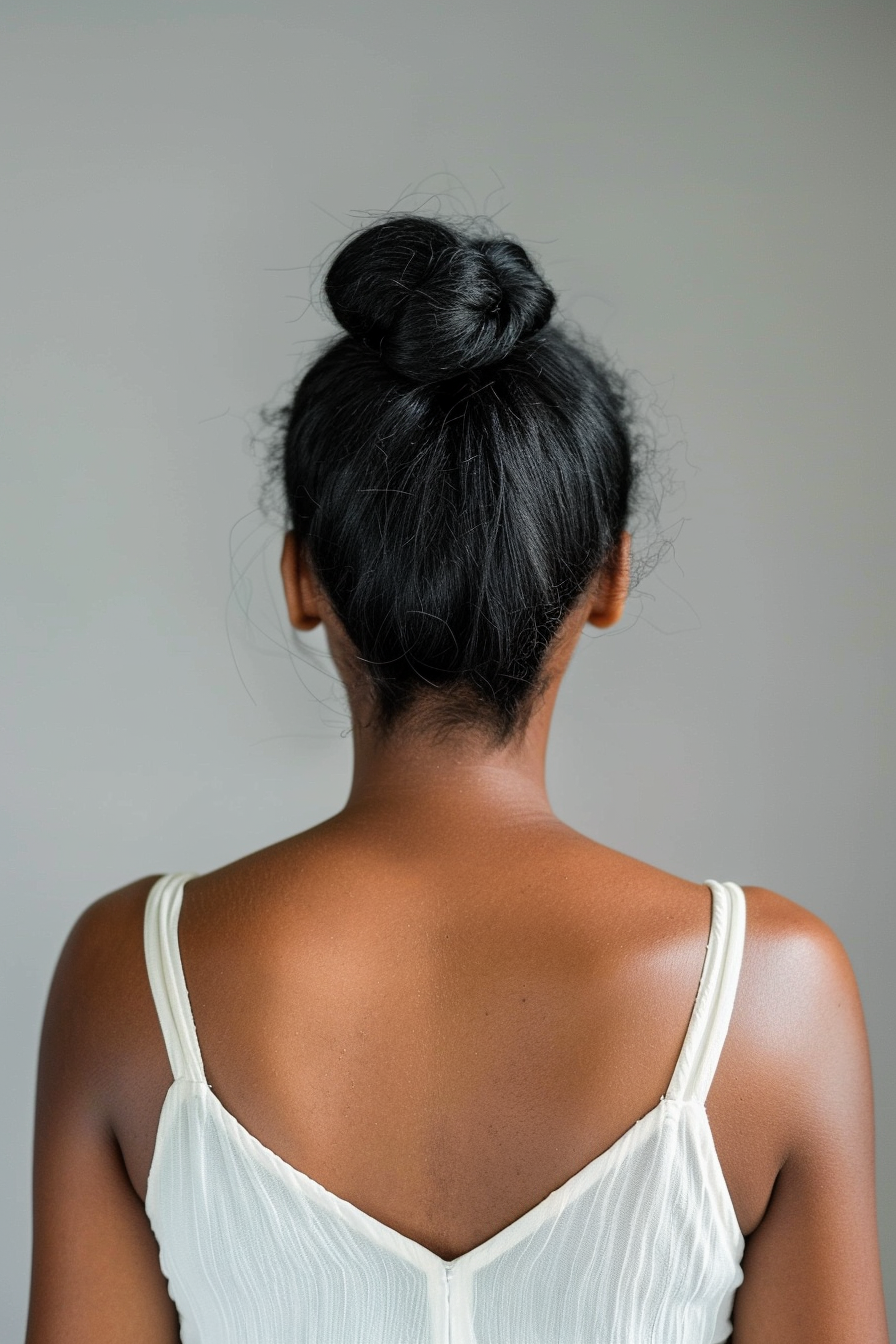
(640, 1245)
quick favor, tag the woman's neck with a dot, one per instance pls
(459, 776)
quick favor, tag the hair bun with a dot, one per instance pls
(433, 301)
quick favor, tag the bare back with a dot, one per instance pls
(487, 1021)
(441, 1027)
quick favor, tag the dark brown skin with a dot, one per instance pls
(440, 1004)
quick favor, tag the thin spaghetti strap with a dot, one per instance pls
(166, 977)
(708, 1026)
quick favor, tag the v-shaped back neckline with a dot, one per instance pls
(408, 1247)
(694, 1069)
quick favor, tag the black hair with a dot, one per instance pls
(459, 466)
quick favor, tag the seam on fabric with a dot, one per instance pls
(717, 1184)
(167, 1117)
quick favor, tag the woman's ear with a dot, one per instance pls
(611, 588)
(299, 585)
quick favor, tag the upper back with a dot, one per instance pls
(486, 1031)
(487, 1024)
(409, 1066)
(656, 1192)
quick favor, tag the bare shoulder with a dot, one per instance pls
(799, 1015)
(95, 1267)
(98, 990)
(98, 948)
(799, 1042)
(777, 920)
(800, 961)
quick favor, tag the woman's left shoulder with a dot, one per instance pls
(98, 983)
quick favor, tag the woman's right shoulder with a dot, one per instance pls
(799, 1020)
(805, 1084)
(797, 959)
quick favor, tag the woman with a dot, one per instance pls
(448, 1070)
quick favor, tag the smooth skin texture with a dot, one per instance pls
(440, 1004)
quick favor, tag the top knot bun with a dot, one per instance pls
(432, 301)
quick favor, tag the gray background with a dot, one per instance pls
(711, 188)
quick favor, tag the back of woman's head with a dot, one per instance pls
(458, 468)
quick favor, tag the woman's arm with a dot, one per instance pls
(95, 1277)
(812, 1267)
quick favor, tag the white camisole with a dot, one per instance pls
(640, 1245)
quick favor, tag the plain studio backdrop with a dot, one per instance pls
(710, 186)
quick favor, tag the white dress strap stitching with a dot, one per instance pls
(708, 1026)
(166, 977)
